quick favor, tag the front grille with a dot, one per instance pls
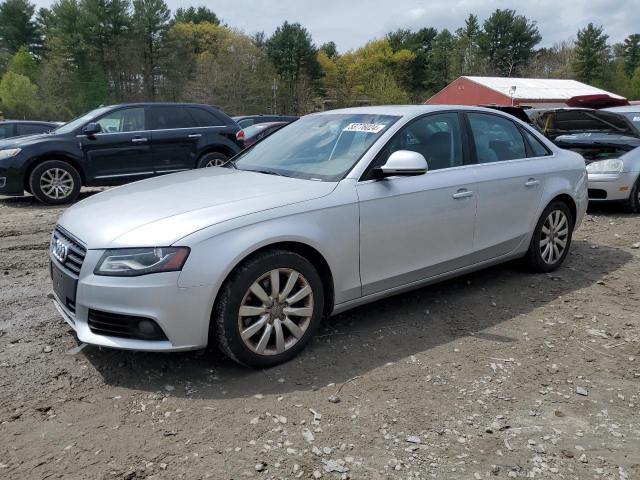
(597, 194)
(124, 326)
(75, 252)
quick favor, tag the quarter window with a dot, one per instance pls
(127, 120)
(437, 137)
(204, 118)
(496, 138)
(537, 148)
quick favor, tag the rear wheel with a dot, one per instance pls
(212, 159)
(55, 182)
(269, 309)
(551, 238)
(633, 203)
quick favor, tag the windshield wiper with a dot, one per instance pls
(266, 172)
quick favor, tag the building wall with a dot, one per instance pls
(465, 92)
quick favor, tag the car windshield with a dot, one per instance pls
(80, 121)
(318, 147)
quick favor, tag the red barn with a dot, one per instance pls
(537, 92)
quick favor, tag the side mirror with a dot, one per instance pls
(404, 163)
(91, 129)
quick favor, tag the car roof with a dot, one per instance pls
(408, 110)
(160, 104)
(626, 108)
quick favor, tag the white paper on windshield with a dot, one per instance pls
(364, 127)
(636, 119)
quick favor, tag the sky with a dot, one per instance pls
(351, 23)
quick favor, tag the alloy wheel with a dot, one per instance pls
(215, 162)
(554, 237)
(56, 183)
(276, 311)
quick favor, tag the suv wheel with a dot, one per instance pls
(212, 159)
(269, 309)
(55, 182)
(551, 238)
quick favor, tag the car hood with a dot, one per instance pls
(162, 210)
(598, 139)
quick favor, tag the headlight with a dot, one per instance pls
(12, 152)
(613, 165)
(132, 262)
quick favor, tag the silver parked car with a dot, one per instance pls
(333, 211)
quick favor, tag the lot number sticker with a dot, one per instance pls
(364, 127)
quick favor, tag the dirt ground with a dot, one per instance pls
(497, 374)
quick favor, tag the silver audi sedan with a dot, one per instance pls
(333, 211)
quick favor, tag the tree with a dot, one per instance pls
(330, 49)
(440, 71)
(293, 54)
(193, 15)
(508, 41)
(17, 25)
(631, 53)
(150, 22)
(591, 54)
(18, 96)
(468, 58)
(419, 43)
(23, 63)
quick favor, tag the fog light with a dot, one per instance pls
(148, 329)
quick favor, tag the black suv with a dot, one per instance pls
(115, 145)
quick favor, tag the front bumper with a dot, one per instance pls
(611, 186)
(11, 180)
(183, 314)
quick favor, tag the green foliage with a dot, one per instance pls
(17, 25)
(591, 55)
(294, 58)
(23, 63)
(18, 96)
(631, 53)
(330, 49)
(508, 41)
(193, 15)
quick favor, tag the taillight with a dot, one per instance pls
(240, 136)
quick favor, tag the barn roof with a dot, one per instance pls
(539, 88)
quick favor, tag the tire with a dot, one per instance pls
(265, 321)
(212, 159)
(55, 182)
(541, 259)
(632, 204)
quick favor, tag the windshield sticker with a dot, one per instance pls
(636, 119)
(364, 127)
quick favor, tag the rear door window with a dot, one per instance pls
(496, 139)
(165, 118)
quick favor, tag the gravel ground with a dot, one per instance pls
(497, 374)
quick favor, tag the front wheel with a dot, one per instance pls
(269, 309)
(551, 238)
(633, 203)
(55, 182)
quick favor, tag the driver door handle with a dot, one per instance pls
(462, 193)
(195, 135)
(139, 140)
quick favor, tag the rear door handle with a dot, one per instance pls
(139, 140)
(462, 193)
(195, 135)
(532, 182)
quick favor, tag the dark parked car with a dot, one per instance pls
(116, 145)
(247, 120)
(250, 135)
(17, 128)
